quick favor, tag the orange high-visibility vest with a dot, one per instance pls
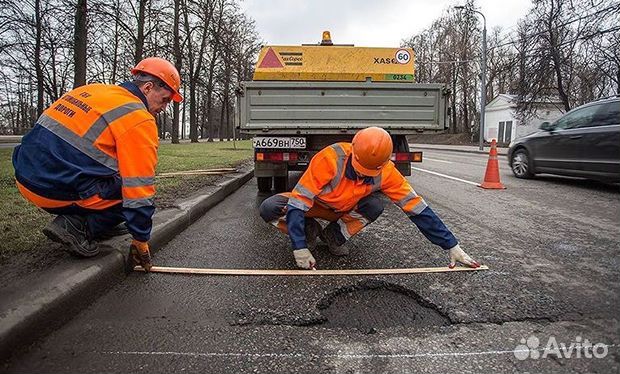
(114, 128)
(325, 181)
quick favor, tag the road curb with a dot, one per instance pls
(36, 307)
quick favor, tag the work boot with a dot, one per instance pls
(329, 237)
(72, 232)
(313, 230)
(117, 230)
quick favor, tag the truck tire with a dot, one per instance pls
(280, 184)
(264, 184)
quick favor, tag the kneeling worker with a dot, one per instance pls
(91, 158)
(338, 186)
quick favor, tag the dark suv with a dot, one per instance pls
(585, 142)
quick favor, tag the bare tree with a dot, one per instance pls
(558, 62)
(447, 52)
(79, 43)
(43, 55)
(178, 63)
(216, 43)
(203, 11)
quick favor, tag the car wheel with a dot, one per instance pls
(521, 164)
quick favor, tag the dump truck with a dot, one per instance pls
(304, 98)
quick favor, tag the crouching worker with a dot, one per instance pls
(338, 186)
(91, 157)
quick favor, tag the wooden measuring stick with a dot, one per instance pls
(174, 270)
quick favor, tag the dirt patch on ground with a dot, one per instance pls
(455, 139)
(187, 187)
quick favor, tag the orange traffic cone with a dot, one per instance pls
(491, 176)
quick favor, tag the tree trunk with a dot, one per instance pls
(79, 45)
(203, 118)
(116, 42)
(183, 121)
(37, 56)
(453, 128)
(555, 55)
(178, 62)
(193, 124)
(466, 126)
(140, 38)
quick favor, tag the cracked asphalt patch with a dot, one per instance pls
(372, 305)
(366, 306)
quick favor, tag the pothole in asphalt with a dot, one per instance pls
(372, 305)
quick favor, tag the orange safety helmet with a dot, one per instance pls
(164, 70)
(372, 148)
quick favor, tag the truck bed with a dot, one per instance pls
(289, 107)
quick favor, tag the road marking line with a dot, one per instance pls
(338, 355)
(436, 160)
(178, 270)
(446, 176)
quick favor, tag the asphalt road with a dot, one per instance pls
(551, 245)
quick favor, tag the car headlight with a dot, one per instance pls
(511, 144)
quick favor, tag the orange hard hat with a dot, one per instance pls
(372, 148)
(164, 70)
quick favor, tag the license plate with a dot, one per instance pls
(276, 142)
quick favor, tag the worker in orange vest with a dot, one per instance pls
(91, 157)
(339, 187)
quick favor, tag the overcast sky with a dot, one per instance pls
(371, 23)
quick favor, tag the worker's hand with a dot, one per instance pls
(141, 254)
(304, 258)
(458, 255)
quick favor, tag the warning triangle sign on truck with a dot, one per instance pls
(270, 60)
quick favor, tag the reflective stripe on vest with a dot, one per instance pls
(85, 144)
(340, 164)
(108, 117)
(138, 203)
(138, 181)
(417, 209)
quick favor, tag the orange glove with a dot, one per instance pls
(141, 254)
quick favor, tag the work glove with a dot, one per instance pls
(141, 254)
(304, 258)
(458, 255)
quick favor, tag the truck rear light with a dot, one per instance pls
(407, 157)
(277, 156)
